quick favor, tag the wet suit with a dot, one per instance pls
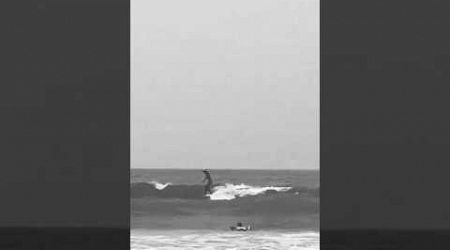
(209, 182)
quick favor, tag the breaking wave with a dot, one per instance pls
(179, 240)
(226, 191)
(231, 191)
(158, 185)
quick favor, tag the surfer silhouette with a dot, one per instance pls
(208, 180)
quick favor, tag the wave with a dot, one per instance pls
(192, 239)
(226, 191)
(159, 186)
(157, 205)
(231, 191)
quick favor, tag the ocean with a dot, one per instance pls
(170, 211)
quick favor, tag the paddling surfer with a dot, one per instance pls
(240, 227)
(208, 180)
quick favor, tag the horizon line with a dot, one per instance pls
(271, 169)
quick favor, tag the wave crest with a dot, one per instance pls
(226, 191)
(159, 186)
(231, 191)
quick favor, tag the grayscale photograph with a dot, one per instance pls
(225, 101)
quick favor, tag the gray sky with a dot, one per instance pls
(225, 84)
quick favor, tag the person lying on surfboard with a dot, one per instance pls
(240, 227)
(208, 180)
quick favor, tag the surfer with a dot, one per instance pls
(240, 227)
(208, 180)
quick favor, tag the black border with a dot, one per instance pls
(385, 126)
(65, 126)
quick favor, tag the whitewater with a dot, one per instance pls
(169, 209)
(207, 240)
(230, 191)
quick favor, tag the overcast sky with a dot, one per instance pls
(225, 84)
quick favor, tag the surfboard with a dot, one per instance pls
(235, 228)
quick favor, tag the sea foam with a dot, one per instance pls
(231, 191)
(228, 191)
(270, 240)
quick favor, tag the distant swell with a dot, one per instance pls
(220, 192)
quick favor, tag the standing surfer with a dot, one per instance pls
(208, 180)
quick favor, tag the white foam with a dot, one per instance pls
(231, 191)
(159, 186)
(224, 240)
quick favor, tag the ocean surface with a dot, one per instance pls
(170, 211)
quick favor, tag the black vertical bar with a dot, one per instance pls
(64, 130)
(385, 124)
